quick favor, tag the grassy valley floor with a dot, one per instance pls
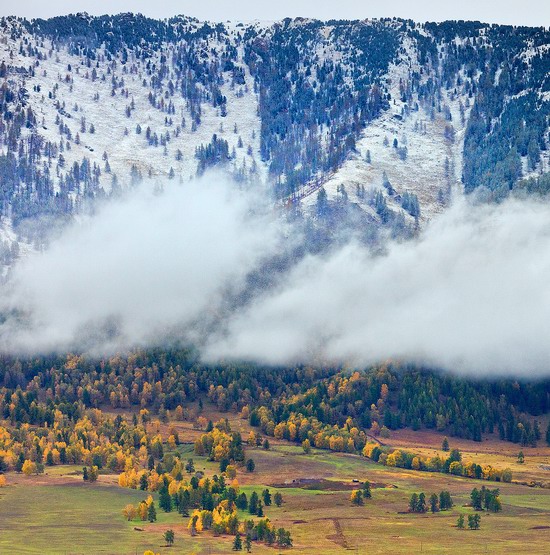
(58, 513)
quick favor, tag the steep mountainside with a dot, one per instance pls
(384, 116)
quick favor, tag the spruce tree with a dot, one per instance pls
(165, 501)
(237, 543)
(20, 462)
(190, 466)
(357, 497)
(242, 502)
(367, 494)
(248, 543)
(477, 499)
(183, 504)
(169, 537)
(445, 501)
(152, 513)
(421, 506)
(474, 522)
(253, 503)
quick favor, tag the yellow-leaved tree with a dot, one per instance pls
(129, 512)
(28, 468)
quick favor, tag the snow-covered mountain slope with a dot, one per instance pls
(431, 165)
(104, 103)
(390, 116)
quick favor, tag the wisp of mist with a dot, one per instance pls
(471, 294)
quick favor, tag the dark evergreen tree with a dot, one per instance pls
(242, 502)
(152, 513)
(165, 500)
(253, 503)
(237, 542)
(477, 499)
(169, 537)
(413, 503)
(421, 504)
(367, 494)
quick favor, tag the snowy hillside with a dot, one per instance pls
(390, 116)
(104, 103)
(430, 168)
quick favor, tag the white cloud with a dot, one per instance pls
(471, 294)
(143, 265)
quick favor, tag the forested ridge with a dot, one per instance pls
(390, 395)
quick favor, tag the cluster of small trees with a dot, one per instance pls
(145, 510)
(441, 502)
(474, 522)
(358, 496)
(215, 511)
(255, 439)
(209, 503)
(409, 202)
(214, 153)
(450, 465)
(262, 531)
(348, 438)
(486, 499)
(220, 444)
(29, 467)
(224, 519)
(91, 474)
(254, 503)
